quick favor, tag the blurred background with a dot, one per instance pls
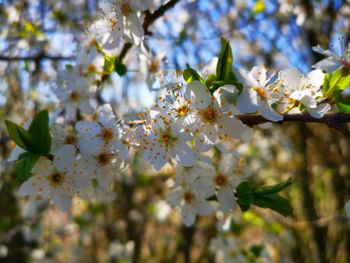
(38, 37)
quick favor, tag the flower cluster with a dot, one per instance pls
(91, 145)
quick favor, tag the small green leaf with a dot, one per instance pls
(190, 75)
(210, 80)
(19, 135)
(343, 106)
(272, 189)
(223, 68)
(108, 66)
(24, 165)
(37, 139)
(40, 133)
(244, 192)
(120, 68)
(275, 202)
(113, 64)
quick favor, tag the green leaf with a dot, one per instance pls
(108, 66)
(335, 82)
(272, 189)
(40, 133)
(19, 135)
(120, 68)
(223, 68)
(113, 64)
(343, 107)
(210, 80)
(37, 139)
(275, 202)
(244, 192)
(190, 75)
(24, 165)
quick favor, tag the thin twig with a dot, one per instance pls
(150, 18)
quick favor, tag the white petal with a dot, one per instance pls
(188, 214)
(315, 78)
(291, 78)
(199, 94)
(61, 198)
(29, 187)
(231, 126)
(329, 64)
(206, 138)
(247, 101)
(204, 186)
(175, 197)
(258, 74)
(268, 113)
(65, 158)
(184, 154)
(226, 198)
(43, 167)
(202, 207)
(319, 111)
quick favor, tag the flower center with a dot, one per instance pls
(183, 110)
(74, 96)
(262, 93)
(57, 179)
(167, 138)
(70, 139)
(188, 197)
(104, 158)
(125, 8)
(220, 179)
(106, 134)
(209, 115)
(153, 66)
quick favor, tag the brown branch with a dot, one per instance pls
(334, 120)
(34, 58)
(150, 18)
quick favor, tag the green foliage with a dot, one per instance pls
(190, 75)
(24, 165)
(265, 197)
(19, 135)
(224, 72)
(244, 193)
(39, 133)
(113, 64)
(36, 141)
(223, 68)
(333, 85)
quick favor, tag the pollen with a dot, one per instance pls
(125, 8)
(106, 134)
(220, 179)
(262, 93)
(70, 139)
(183, 110)
(57, 179)
(188, 197)
(74, 96)
(209, 115)
(104, 158)
(153, 66)
(167, 138)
